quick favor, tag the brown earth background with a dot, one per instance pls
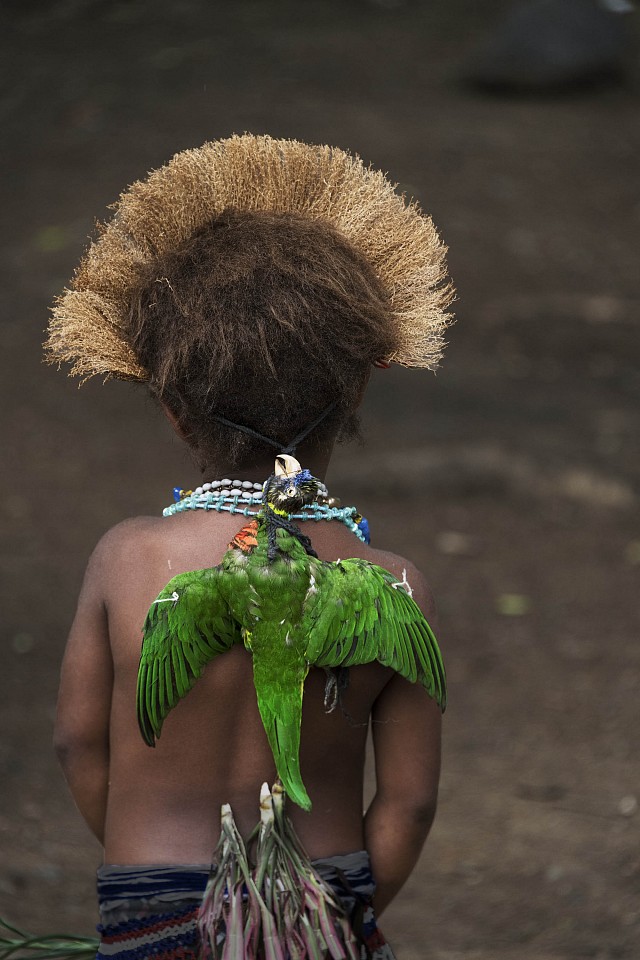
(519, 464)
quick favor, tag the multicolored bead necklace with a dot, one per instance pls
(238, 496)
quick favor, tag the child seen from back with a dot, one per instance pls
(252, 284)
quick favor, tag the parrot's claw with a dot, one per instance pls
(330, 691)
(335, 686)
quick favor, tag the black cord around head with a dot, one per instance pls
(290, 448)
(307, 430)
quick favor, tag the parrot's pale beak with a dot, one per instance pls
(286, 466)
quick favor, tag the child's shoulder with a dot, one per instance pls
(130, 534)
(133, 542)
(123, 545)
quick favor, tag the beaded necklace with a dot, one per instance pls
(238, 496)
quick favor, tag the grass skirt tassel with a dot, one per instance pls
(279, 908)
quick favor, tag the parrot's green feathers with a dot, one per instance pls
(293, 612)
(281, 713)
(187, 625)
(358, 612)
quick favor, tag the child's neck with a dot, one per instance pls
(314, 459)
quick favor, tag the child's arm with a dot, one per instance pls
(81, 737)
(406, 737)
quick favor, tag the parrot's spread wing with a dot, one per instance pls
(358, 612)
(187, 625)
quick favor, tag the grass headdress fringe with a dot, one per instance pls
(277, 908)
(89, 327)
(15, 943)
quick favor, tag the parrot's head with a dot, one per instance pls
(289, 487)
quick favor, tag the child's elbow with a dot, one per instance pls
(422, 810)
(417, 808)
(71, 743)
(65, 744)
(423, 813)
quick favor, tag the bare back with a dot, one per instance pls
(163, 804)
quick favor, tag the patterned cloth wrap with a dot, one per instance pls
(150, 912)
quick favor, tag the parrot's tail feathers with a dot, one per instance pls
(296, 791)
(280, 706)
(285, 744)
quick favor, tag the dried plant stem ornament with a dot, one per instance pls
(272, 904)
(89, 327)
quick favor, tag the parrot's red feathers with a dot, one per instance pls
(246, 539)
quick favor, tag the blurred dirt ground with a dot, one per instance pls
(512, 478)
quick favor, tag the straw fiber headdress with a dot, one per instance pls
(251, 173)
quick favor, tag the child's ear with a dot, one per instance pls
(175, 422)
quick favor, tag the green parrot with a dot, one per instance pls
(292, 611)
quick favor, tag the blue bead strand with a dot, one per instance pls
(225, 504)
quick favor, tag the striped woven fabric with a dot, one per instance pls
(149, 912)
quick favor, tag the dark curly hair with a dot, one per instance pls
(264, 319)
